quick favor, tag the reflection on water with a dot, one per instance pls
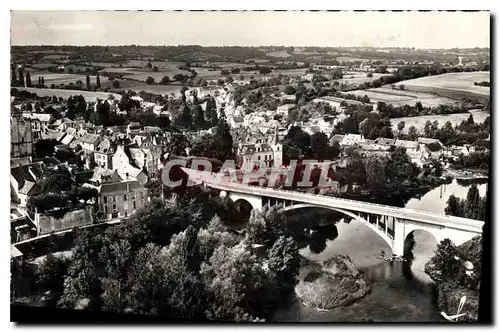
(436, 199)
(399, 291)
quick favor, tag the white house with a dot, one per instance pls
(351, 139)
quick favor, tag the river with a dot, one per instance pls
(400, 292)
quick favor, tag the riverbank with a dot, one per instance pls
(464, 281)
(335, 283)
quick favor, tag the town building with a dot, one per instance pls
(121, 199)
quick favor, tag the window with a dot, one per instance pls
(132, 195)
(105, 200)
(114, 199)
(134, 205)
(265, 157)
(105, 209)
(141, 194)
(124, 197)
(114, 207)
(258, 157)
(125, 214)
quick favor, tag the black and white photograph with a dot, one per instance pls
(250, 166)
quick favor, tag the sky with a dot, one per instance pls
(215, 28)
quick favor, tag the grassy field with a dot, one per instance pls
(455, 119)
(399, 98)
(279, 54)
(359, 77)
(88, 95)
(157, 89)
(57, 78)
(452, 85)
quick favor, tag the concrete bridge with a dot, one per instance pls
(392, 224)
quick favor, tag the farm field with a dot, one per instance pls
(399, 98)
(359, 77)
(279, 54)
(455, 119)
(60, 78)
(453, 81)
(157, 89)
(88, 95)
(452, 85)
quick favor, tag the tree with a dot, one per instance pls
(184, 117)
(211, 112)
(28, 79)
(98, 81)
(223, 139)
(87, 81)
(375, 172)
(473, 203)
(13, 78)
(454, 207)
(401, 126)
(445, 260)
(412, 133)
(289, 90)
(319, 145)
(51, 273)
(428, 129)
(150, 80)
(369, 75)
(45, 147)
(419, 107)
(199, 118)
(21, 76)
(165, 80)
(155, 69)
(284, 263)
(178, 144)
(116, 84)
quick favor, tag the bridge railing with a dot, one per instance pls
(402, 212)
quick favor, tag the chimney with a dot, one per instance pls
(126, 176)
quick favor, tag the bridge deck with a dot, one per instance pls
(366, 207)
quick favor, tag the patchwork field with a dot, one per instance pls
(455, 119)
(88, 95)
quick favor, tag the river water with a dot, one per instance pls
(400, 292)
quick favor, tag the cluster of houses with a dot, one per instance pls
(420, 151)
(121, 160)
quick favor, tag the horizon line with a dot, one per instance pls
(248, 46)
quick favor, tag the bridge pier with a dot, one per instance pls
(399, 237)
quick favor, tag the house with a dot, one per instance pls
(385, 141)
(23, 182)
(427, 141)
(103, 154)
(90, 141)
(410, 146)
(336, 139)
(22, 227)
(123, 162)
(284, 109)
(351, 139)
(39, 123)
(121, 199)
(236, 121)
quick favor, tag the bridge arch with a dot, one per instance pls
(388, 240)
